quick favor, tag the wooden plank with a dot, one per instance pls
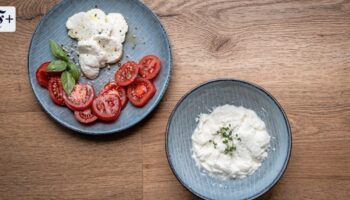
(42, 160)
(297, 50)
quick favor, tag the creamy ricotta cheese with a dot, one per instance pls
(100, 39)
(230, 142)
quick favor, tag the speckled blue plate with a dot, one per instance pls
(146, 36)
(201, 100)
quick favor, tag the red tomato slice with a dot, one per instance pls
(127, 73)
(107, 107)
(42, 76)
(140, 92)
(81, 97)
(56, 90)
(85, 117)
(113, 88)
(149, 67)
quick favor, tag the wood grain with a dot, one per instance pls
(297, 50)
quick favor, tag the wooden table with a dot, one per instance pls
(297, 50)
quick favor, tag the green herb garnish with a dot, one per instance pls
(57, 66)
(214, 143)
(68, 82)
(226, 134)
(227, 139)
(70, 72)
(74, 71)
(58, 51)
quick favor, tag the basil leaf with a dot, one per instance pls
(56, 66)
(68, 82)
(74, 71)
(58, 51)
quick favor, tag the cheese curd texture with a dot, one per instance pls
(250, 139)
(100, 39)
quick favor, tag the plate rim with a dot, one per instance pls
(286, 161)
(115, 131)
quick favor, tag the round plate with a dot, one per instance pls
(201, 100)
(146, 36)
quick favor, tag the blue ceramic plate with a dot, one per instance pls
(202, 99)
(146, 36)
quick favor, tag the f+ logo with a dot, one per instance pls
(9, 18)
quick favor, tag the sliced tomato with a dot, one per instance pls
(149, 67)
(107, 107)
(56, 90)
(42, 76)
(114, 88)
(85, 117)
(127, 73)
(141, 91)
(81, 97)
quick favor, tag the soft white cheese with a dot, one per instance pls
(119, 28)
(111, 46)
(250, 139)
(100, 39)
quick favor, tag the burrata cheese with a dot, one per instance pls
(230, 142)
(100, 39)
